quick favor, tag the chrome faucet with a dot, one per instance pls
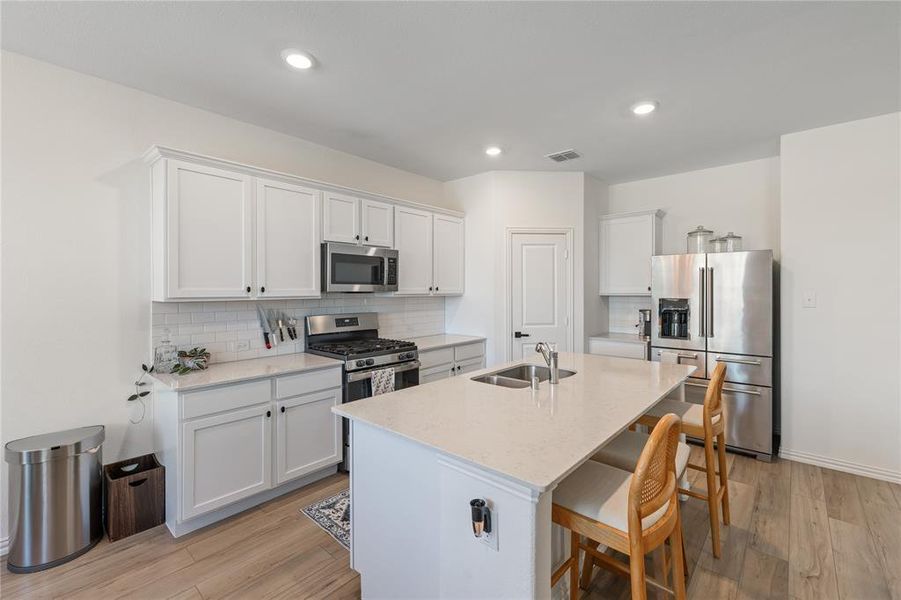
(550, 357)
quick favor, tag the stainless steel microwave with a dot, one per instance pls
(351, 268)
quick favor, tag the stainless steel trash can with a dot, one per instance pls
(55, 497)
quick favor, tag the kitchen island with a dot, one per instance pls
(421, 454)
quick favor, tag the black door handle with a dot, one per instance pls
(519, 334)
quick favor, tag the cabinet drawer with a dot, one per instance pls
(605, 347)
(469, 351)
(433, 358)
(307, 383)
(753, 370)
(693, 358)
(207, 402)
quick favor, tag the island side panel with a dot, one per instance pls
(412, 530)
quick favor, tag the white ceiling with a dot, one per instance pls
(426, 86)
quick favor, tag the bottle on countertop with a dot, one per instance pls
(166, 354)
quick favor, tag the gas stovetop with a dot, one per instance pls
(351, 349)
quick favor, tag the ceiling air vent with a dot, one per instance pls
(564, 155)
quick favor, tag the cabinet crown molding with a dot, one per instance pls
(638, 213)
(155, 153)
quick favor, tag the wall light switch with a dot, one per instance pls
(809, 299)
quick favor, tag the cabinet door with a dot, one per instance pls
(227, 457)
(449, 253)
(308, 434)
(287, 240)
(436, 373)
(209, 232)
(378, 223)
(413, 241)
(626, 245)
(470, 365)
(340, 218)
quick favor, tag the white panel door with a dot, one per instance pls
(210, 232)
(540, 292)
(378, 223)
(413, 242)
(340, 218)
(287, 240)
(226, 457)
(449, 254)
(308, 435)
(626, 246)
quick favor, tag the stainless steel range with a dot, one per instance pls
(354, 338)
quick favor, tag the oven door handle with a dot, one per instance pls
(361, 375)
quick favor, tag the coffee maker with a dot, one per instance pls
(644, 322)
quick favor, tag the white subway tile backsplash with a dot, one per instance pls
(221, 326)
(623, 312)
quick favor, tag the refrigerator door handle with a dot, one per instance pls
(709, 302)
(702, 283)
(736, 391)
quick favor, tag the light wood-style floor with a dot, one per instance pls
(797, 532)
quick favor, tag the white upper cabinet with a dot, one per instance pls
(448, 255)
(340, 218)
(207, 215)
(287, 240)
(378, 223)
(627, 243)
(413, 241)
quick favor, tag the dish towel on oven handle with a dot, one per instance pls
(382, 381)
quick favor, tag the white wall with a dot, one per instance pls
(494, 202)
(75, 231)
(741, 197)
(840, 238)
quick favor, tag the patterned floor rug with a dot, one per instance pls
(333, 515)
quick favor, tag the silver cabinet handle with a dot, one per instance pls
(709, 302)
(702, 282)
(746, 392)
(739, 361)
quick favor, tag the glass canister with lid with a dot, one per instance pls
(731, 242)
(699, 240)
(717, 245)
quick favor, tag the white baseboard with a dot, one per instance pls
(845, 466)
(4, 546)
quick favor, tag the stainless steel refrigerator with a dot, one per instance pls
(713, 308)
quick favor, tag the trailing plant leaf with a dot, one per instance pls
(142, 394)
(132, 397)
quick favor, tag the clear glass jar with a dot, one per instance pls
(699, 240)
(717, 245)
(731, 242)
(165, 357)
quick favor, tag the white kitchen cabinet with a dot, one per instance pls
(612, 347)
(448, 253)
(227, 457)
(340, 218)
(287, 241)
(413, 242)
(308, 434)
(207, 216)
(627, 243)
(451, 361)
(377, 219)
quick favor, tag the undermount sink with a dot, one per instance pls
(520, 376)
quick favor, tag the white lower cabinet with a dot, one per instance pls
(227, 457)
(309, 435)
(451, 361)
(230, 447)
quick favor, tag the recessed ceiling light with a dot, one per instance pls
(492, 151)
(297, 59)
(645, 107)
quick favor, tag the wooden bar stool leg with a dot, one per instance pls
(587, 566)
(574, 566)
(680, 566)
(724, 477)
(712, 500)
(636, 573)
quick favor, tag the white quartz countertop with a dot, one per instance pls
(631, 338)
(443, 340)
(535, 438)
(240, 370)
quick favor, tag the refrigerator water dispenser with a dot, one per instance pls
(673, 313)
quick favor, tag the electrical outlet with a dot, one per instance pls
(809, 299)
(242, 346)
(490, 539)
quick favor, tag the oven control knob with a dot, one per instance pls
(402, 356)
(370, 361)
(361, 363)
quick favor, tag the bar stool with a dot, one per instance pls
(632, 513)
(707, 422)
